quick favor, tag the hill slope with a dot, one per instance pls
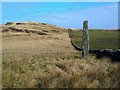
(35, 60)
(31, 27)
(35, 37)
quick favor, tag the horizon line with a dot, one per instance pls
(60, 26)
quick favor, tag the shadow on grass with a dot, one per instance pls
(114, 55)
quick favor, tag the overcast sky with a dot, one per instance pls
(102, 15)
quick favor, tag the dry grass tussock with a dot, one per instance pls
(63, 71)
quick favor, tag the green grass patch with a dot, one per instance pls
(99, 39)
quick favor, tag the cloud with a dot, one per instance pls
(105, 17)
(68, 15)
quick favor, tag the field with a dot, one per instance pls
(99, 39)
(34, 60)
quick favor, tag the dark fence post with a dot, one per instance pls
(85, 40)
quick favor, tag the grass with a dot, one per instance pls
(50, 61)
(57, 70)
(99, 39)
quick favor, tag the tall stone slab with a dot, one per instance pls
(85, 40)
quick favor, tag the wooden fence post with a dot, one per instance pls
(85, 40)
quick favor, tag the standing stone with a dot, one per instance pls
(85, 40)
